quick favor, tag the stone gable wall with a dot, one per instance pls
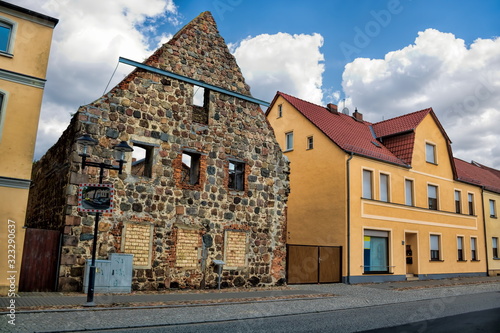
(153, 110)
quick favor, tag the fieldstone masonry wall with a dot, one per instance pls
(189, 222)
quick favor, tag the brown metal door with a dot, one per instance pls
(329, 264)
(40, 257)
(302, 264)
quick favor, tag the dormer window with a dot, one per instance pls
(430, 153)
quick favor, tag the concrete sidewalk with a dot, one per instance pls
(58, 300)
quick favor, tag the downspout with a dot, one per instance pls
(484, 229)
(348, 280)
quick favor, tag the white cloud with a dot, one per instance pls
(461, 84)
(290, 63)
(90, 37)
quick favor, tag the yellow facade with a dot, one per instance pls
(23, 67)
(327, 206)
(491, 202)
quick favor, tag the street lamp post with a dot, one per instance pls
(120, 149)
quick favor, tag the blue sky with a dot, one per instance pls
(385, 57)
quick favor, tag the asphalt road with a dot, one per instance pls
(467, 313)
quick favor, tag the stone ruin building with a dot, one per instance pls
(212, 183)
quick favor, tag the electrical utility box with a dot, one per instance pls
(111, 276)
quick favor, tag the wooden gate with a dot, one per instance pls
(40, 260)
(313, 264)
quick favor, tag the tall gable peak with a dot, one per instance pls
(199, 52)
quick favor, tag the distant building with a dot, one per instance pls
(374, 202)
(25, 39)
(212, 183)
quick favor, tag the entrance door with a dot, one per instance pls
(313, 264)
(411, 253)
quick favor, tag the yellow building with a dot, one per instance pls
(489, 180)
(375, 202)
(25, 38)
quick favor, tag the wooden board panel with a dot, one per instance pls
(302, 264)
(40, 256)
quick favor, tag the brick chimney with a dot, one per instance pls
(357, 115)
(332, 108)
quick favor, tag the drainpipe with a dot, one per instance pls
(348, 280)
(484, 229)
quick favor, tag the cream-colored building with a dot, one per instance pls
(25, 39)
(373, 202)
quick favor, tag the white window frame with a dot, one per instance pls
(494, 245)
(3, 109)
(432, 248)
(280, 110)
(473, 249)
(461, 243)
(13, 31)
(289, 141)
(434, 153)
(411, 195)
(493, 211)
(385, 185)
(459, 194)
(310, 142)
(437, 195)
(471, 203)
(364, 188)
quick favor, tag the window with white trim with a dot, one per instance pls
(367, 184)
(494, 246)
(430, 153)
(458, 202)
(384, 187)
(473, 248)
(6, 36)
(409, 200)
(470, 197)
(432, 194)
(289, 141)
(493, 212)
(435, 247)
(460, 248)
(310, 142)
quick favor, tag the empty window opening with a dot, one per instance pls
(190, 168)
(201, 98)
(142, 160)
(236, 176)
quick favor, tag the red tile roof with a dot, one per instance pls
(349, 134)
(401, 124)
(478, 174)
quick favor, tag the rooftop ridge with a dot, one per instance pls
(427, 110)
